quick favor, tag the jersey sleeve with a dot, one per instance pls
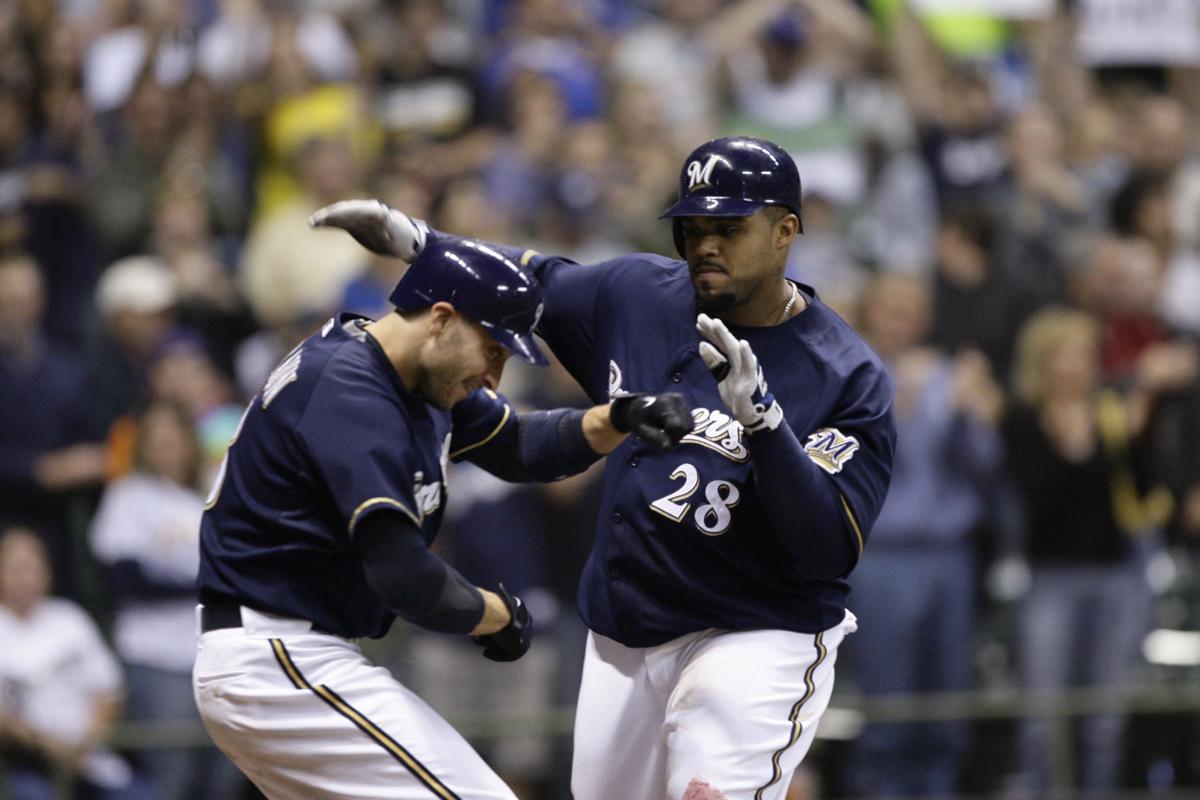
(481, 419)
(823, 489)
(520, 448)
(356, 437)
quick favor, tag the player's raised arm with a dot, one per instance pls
(376, 226)
(571, 289)
(835, 483)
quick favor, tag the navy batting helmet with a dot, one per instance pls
(482, 283)
(735, 177)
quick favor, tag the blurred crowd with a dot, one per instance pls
(1005, 201)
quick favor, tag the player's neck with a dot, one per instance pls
(399, 340)
(770, 307)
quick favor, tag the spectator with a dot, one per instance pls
(558, 40)
(58, 231)
(895, 228)
(122, 190)
(1142, 208)
(303, 96)
(61, 685)
(916, 591)
(49, 448)
(146, 533)
(956, 111)
(790, 81)
(678, 53)
(275, 275)
(1039, 204)
(520, 172)
(1084, 488)
(822, 257)
(136, 299)
(976, 304)
(209, 302)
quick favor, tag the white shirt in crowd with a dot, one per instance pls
(155, 523)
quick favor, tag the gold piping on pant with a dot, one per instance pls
(797, 728)
(334, 701)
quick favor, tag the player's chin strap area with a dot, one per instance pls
(739, 377)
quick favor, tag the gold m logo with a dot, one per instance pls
(700, 176)
(830, 449)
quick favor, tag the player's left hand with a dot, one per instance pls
(740, 379)
(660, 419)
(376, 226)
(513, 640)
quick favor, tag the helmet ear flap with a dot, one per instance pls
(677, 232)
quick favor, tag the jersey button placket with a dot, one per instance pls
(677, 377)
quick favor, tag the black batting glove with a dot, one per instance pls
(513, 640)
(660, 419)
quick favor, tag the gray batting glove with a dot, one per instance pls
(740, 380)
(376, 226)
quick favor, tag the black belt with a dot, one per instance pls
(220, 615)
(226, 614)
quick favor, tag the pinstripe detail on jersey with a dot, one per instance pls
(366, 505)
(489, 437)
(797, 728)
(853, 523)
(360, 720)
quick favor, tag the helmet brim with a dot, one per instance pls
(708, 206)
(521, 345)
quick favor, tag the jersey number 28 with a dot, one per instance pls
(713, 517)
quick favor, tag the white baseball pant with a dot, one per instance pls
(306, 717)
(708, 715)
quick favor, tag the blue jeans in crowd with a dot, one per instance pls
(1081, 625)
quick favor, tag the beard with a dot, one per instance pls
(715, 304)
(436, 390)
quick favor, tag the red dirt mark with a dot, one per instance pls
(698, 790)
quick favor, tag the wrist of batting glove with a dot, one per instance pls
(739, 377)
(513, 640)
(376, 226)
(660, 419)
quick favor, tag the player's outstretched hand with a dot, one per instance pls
(376, 226)
(740, 379)
(660, 419)
(513, 640)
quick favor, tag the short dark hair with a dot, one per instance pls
(776, 212)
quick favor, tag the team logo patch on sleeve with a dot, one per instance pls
(830, 449)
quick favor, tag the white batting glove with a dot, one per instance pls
(741, 381)
(376, 226)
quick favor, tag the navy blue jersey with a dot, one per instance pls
(693, 538)
(332, 437)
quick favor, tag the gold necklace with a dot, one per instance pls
(790, 303)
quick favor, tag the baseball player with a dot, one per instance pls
(716, 589)
(317, 530)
